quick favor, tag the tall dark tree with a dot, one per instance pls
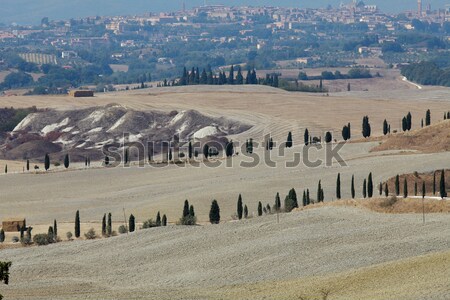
(434, 183)
(353, 187)
(77, 224)
(126, 159)
(131, 223)
(158, 219)
(109, 226)
(104, 225)
(397, 185)
(364, 191)
(366, 129)
(415, 188)
(319, 192)
(2, 235)
(338, 186)
(442, 187)
(55, 228)
(240, 207)
(408, 121)
(423, 190)
(186, 208)
(306, 137)
(370, 186)
(345, 133)
(239, 77)
(277, 202)
(304, 200)
(405, 188)
(385, 127)
(229, 149)
(28, 165)
(380, 188)
(245, 211)
(164, 220)
(191, 211)
(349, 130)
(404, 124)
(428, 118)
(308, 198)
(66, 161)
(386, 190)
(205, 151)
(107, 160)
(170, 154)
(289, 140)
(231, 76)
(214, 213)
(190, 150)
(47, 162)
(260, 209)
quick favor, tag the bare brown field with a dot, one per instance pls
(391, 205)
(430, 139)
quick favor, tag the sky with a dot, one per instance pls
(32, 11)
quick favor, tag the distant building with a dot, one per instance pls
(69, 54)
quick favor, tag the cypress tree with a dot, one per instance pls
(397, 185)
(127, 157)
(158, 219)
(353, 187)
(186, 208)
(6, 169)
(191, 211)
(205, 151)
(308, 199)
(277, 202)
(164, 220)
(306, 136)
(405, 188)
(386, 190)
(428, 118)
(385, 127)
(109, 226)
(47, 162)
(2, 235)
(380, 187)
(170, 154)
(338, 186)
(289, 140)
(365, 189)
(240, 208)
(66, 161)
(370, 186)
(107, 160)
(328, 137)
(55, 228)
(239, 77)
(190, 150)
(409, 121)
(423, 189)
(77, 224)
(304, 200)
(434, 183)
(214, 213)
(245, 211)
(319, 191)
(260, 209)
(293, 196)
(231, 77)
(442, 188)
(404, 124)
(28, 165)
(131, 223)
(349, 131)
(50, 233)
(415, 188)
(104, 225)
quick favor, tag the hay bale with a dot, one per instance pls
(13, 225)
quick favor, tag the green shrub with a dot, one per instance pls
(149, 224)
(42, 239)
(15, 239)
(122, 229)
(90, 235)
(69, 235)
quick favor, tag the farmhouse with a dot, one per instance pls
(13, 225)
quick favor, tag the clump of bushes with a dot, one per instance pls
(43, 239)
(122, 229)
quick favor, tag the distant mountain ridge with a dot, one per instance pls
(32, 11)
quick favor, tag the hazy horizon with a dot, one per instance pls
(32, 11)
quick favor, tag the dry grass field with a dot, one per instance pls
(354, 253)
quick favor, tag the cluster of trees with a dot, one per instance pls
(442, 186)
(407, 122)
(353, 73)
(206, 77)
(427, 73)
(4, 273)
